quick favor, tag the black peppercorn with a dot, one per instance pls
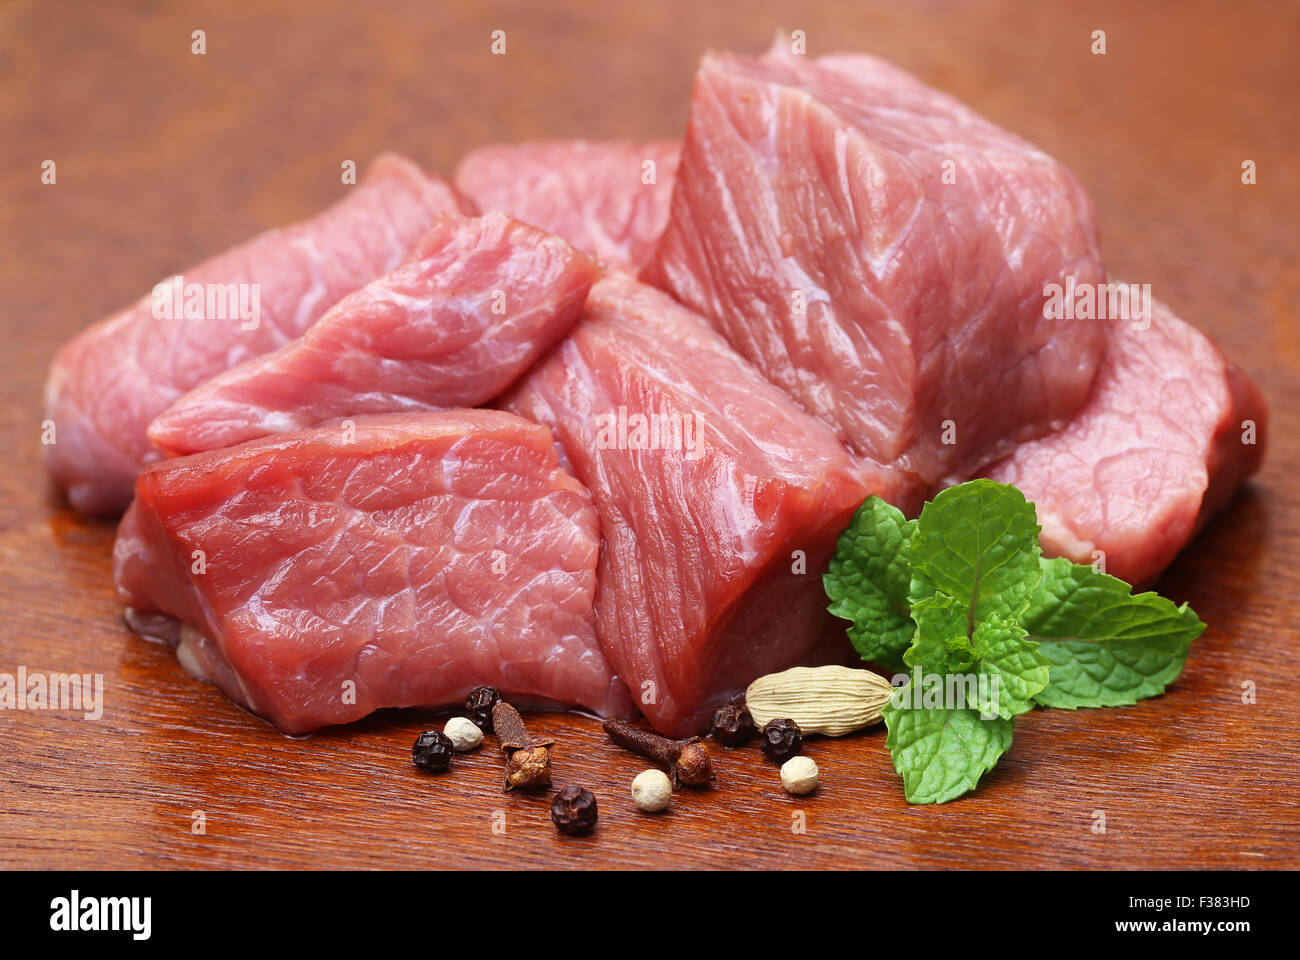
(781, 740)
(574, 810)
(432, 751)
(479, 704)
(732, 726)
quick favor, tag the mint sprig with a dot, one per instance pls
(963, 598)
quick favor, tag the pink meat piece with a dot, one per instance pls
(718, 525)
(411, 557)
(593, 194)
(1156, 449)
(880, 252)
(107, 384)
(477, 302)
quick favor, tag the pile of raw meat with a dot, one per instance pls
(585, 426)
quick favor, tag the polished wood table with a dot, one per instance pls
(164, 157)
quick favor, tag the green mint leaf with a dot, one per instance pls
(1022, 671)
(962, 597)
(940, 753)
(974, 567)
(999, 652)
(977, 543)
(941, 644)
(868, 581)
(1107, 646)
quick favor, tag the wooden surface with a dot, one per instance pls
(164, 157)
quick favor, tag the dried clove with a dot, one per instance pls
(528, 760)
(687, 761)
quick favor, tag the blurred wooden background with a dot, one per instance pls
(164, 157)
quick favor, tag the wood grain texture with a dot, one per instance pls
(165, 157)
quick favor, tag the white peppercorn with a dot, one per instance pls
(799, 775)
(463, 733)
(651, 790)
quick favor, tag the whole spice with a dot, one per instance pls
(463, 733)
(432, 751)
(479, 704)
(732, 726)
(799, 775)
(829, 700)
(687, 761)
(574, 810)
(528, 768)
(781, 739)
(651, 790)
(528, 760)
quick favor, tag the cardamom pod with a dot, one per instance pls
(829, 700)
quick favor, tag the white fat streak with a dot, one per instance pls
(313, 296)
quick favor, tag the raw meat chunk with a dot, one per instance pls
(476, 304)
(108, 383)
(593, 194)
(1156, 449)
(390, 561)
(880, 252)
(719, 500)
